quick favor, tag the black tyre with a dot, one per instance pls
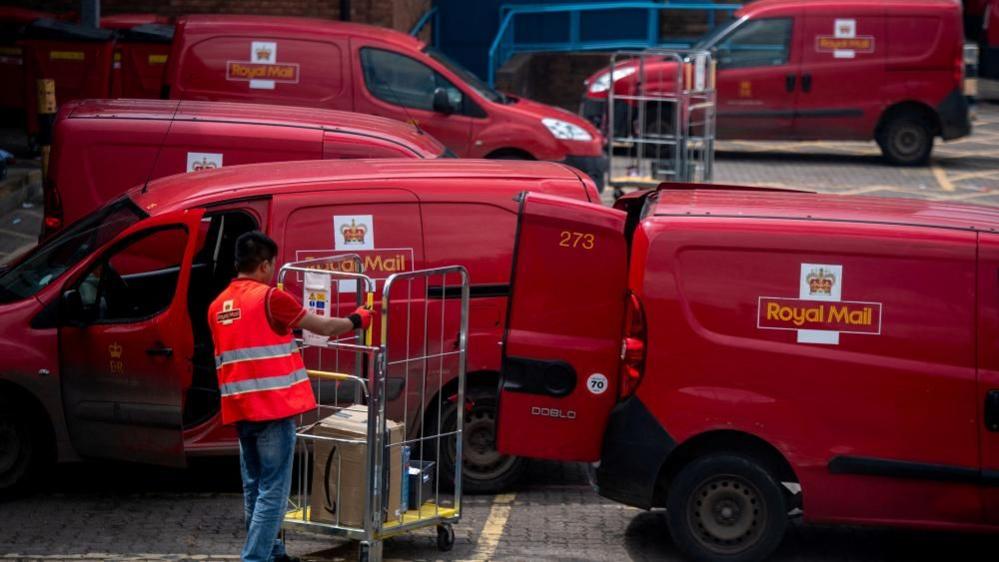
(485, 470)
(20, 451)
(906, 140)
(445, 538)
(726, 508)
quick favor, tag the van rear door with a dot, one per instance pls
(561, 350)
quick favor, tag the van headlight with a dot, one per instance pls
(564, 130)
(603, 82)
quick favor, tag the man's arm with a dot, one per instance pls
(323, 326)
(332, 327)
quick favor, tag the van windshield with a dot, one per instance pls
(50, 260)
(471, 79)
(712, 37)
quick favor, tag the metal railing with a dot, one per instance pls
(431, 15)
(505, 44)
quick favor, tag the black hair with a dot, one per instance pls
(252, 249)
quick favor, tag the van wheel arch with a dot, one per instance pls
(26, 418)
(482, 387)
(908, 119)
(724, 441)
(510, 153)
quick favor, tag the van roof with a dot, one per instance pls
(776, 5)
(254, 180)
(261, 114)
(298, 28)
(787, 205)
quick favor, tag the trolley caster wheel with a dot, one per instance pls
(445, 538)
(363, 552)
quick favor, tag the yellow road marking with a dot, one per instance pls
(941, 178)
(492, 531)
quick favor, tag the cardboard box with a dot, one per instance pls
(348, 462)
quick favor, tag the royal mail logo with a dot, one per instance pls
(228, 314)
(820, 281)
(201, 161)
(828, 44)
(844, 43)
(353, 233)
(115, 350)
(849, 317)
(262, 71)
(819, 315)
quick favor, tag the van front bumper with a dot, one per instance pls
(593, 166)
(954, 120)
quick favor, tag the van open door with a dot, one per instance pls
(126, 343)
(562, 347)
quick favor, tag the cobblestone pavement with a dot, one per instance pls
(125, 512)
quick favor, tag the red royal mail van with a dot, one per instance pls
(891, 71)
(155, 258)
(104, 147)
(779, 350)
(319, 63)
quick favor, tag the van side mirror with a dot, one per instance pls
(444, 101)
(72, 310)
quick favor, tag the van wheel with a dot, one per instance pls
(18, 451)
(906, 140)
(485, 470)
(726, 507)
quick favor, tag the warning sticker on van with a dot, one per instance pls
(819, 315)
(263, 70)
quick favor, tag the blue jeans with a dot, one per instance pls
(266, 453)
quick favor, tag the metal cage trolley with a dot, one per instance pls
(662, 127)
(370, 452)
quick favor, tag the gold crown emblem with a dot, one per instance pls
(353, 233)
(820, 281)
(263, 53)
(205, 164)
(115, 350)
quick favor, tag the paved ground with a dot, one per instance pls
(101, 511)
(123, 512)
(964, 170)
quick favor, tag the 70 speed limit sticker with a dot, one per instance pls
(596, 383)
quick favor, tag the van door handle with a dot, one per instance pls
(992, 410)
(806, 82)
(160, 350)
(789, 81)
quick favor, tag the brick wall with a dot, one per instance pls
(397, 14)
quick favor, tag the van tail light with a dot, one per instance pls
(52, 221)
(632, 347)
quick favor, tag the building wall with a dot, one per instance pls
(397, 14)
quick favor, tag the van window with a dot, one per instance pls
(400, 80)
(763, 42)
(50, 260)
(136, 280)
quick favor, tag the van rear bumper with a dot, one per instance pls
(635, 449)
(954, 120)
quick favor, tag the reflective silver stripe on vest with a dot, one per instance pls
(263, 383)
(252, 353)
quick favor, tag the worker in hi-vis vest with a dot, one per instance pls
(264, 384)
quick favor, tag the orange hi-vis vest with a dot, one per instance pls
(261, 374)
